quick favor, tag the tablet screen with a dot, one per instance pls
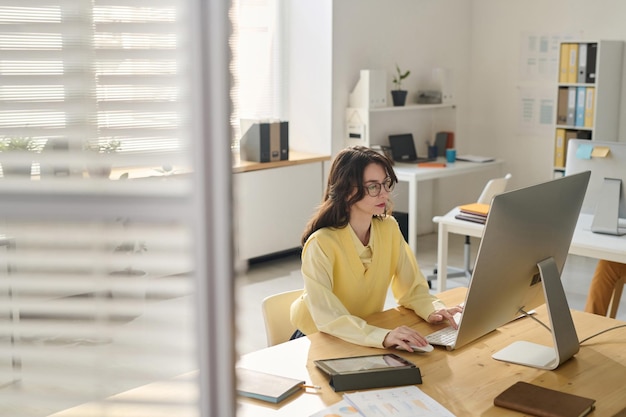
(363, 363)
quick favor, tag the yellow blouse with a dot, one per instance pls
(345, 281)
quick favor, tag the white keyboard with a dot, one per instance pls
(442, 337)
(445, 336)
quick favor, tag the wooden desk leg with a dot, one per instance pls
(442, 257)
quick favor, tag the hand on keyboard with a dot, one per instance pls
(446, 314)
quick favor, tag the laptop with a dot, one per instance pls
(403, 149)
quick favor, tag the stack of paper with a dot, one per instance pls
(474, 212)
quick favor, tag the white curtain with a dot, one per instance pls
(108, 218)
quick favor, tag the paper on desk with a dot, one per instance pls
(408, 401)
(340, 409)
(475, 158)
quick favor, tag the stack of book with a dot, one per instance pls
(474, 212)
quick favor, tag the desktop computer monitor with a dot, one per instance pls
(524, 245)
(605, 198)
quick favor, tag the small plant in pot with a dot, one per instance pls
(98, 168)
(18, 144)
(399, 95)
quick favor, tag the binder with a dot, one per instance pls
(582, 63)
(571, 106)
(589, 106)
(592, 53)
(559, 149)
(561, 106)
(580, 106)
(572, 72)
(564, 63)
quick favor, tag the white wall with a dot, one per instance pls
(495, 62)
(478, 39)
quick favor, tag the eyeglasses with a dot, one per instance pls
(373, 189)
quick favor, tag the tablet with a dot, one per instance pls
(362, 364)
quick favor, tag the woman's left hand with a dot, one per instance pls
(445, 314)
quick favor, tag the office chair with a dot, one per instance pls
(493, 187)
(278, 327)
(617, 295)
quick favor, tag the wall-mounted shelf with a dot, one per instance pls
(372, 126)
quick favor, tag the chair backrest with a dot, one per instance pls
(493, 187)
(278, 327)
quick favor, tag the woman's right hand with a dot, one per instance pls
(403, 337)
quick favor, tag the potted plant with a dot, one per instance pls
(399, 95)
(18, 144)
(97, 168)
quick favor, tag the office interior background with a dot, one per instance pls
(328, 43)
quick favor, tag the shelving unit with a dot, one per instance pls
(372, 126)
(588, 94)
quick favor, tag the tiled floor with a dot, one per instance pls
(283, 273)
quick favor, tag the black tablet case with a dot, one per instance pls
(378, 378)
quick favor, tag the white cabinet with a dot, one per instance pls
(372, 126)
(273, 206)
(588, 94)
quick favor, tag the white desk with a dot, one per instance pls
(584, 242)
(596, 245)
(411, 174)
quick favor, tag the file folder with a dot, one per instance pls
(561, 106)
(589, 106)
(573, 63)
(582, 63)
(571, 106)
(592, 53)
(580, 106)
(564, 63)
(559, 149)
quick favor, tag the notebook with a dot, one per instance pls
(403, 149)
(540, 401)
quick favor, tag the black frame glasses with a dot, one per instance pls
(373, 189)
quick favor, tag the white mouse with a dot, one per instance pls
(419, 349)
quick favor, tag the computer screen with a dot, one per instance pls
(605, 199)
(525, 228)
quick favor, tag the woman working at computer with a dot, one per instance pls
(353, 251)
(605, 277)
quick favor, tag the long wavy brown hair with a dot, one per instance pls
(346, 174)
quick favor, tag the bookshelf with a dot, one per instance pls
(588, 94)
(372, 126)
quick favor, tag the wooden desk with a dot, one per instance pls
(464, 381)
(411, 174)
(584, 242)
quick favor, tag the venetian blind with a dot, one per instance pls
(97, 219)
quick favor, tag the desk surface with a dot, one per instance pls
(596, 245)
(295, 158)
(464, 381)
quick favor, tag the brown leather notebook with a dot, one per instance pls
(543, 402)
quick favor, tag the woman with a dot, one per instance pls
(353, 251)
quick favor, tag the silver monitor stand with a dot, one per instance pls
(606, 216)
(564, 334)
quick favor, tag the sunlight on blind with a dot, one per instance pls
(96, 248)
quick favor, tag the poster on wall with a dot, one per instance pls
(539, 55)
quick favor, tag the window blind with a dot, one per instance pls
(99, 213)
